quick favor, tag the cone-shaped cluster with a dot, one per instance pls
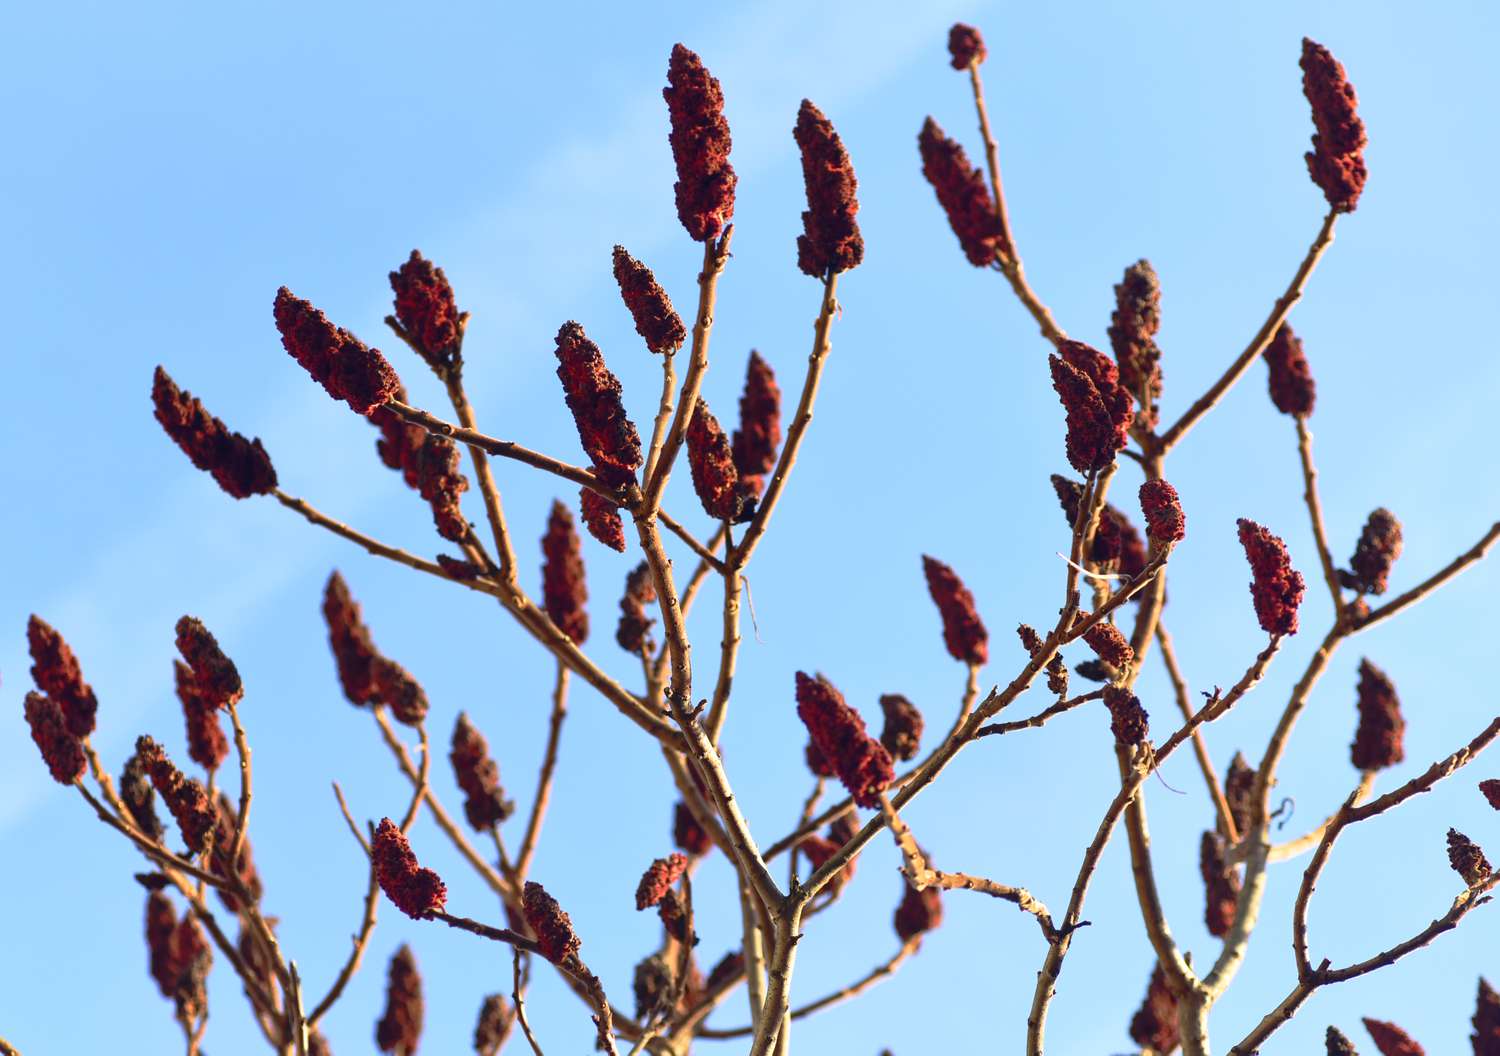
(1132, 336)
(416, 891)
(217, 679)
(964, 196)
(207, 745)
(602, 518)
(759, 435)
(687, 835)
(226, 820)
(1337, 160)
(838, 733)
(140, 798)
(1390, 1039)
(902, 733)
(1221, 885)
(830, 241)
(427, 312)
(478, 776)
(551, 926)
(1127, 718)
(634, 631)
(61, 751)
(428, 463)
(57, 673)
(497, 1017)
(178, 956)
(1486, 1036)
(715, 478)
(1105, 639)
(652, 985)
(564, 589)
(1338, 1044)
(817, 850)
(1467, 858)
(963, 631)
(1239, 790)
(700, 146)
(1165, 521)
(1491, 791)
(368, 677)
(1377, 739)
(1276, 587)
(658, 879)
(1293, 389)
(240, 466)
(1154, 1025)
(965, 46)
(655, 318)
(399, 1030)
(185, 798)
(1115, 537)
(343, 364)
(1378, 547)
(1098, 406)
(918, 912)
(594, 396)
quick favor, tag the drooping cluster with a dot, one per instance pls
(1376, 551)
(1132, 336)
(830, 242)
(345, 366)
(966, 46)
(602, 518)
(655, 318)
(368, 677)
(1276, 587)
(416, 891)
(700, 146)
(1154, 1025)
(634, 631)
(1127, 718)
(61, 750)
(178, 956)
(658, 879)
(1105, 639)
(964, 196)
(918, 912)
(1098, 406)
(428, 463)
(1377, 739)
(1221, 885)
(240, 466)
(1486, 1036)
(1165, 521)
(1337, 160)
(1467, 859)
(687, 835)
(1491, 790)
(139, 797)
(427, 313)
(399, 1029)
(902, 733)
(1338, 1044)
(1239, 792)
(1293, 389)
(715, 478)
(759, 435)
(817, 850)
(478, 776)
(963, 631)
(185, 797)
(497, 1017)
(207, 745)
(594, 396)
(1391, 1040)
(217, 679)
(56, 672)
(838, 733)
(564, 589)
(551, 926)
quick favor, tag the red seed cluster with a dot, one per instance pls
(759, 435)
(496, 1020)
(715, 478)
(564, 590)
(343, 364)
(178, 956)
(602, 518)
(594, 396)
(634, 631)
(207, 745)
(399, 1029)
(1115, 538)
(187, 800)
(416, 891)
(964, 196)
(1390, 1039)
(1098, 407)
(1165, 521)
(817, 763)
(838, 733)
(61, 750)
(674, 917)
(963, 631)
(1127, 718)
(1491, 791)
(57, 674)
(919, 912)
(399, 691)
(139, 798)
(1293, 389)
(1132, 336)
(652, 983)
(817, 850)
(1239, 790)
(1486, 1036)
(1377, 740)
(478, 776)
(700, 146)
(1276, 587)
(730, 966)
(240, 466)
(427, 313)
(687, 835)
(430, 465)
(214, 673)
(1467, 859)
(830, 242)
(1220, 883)
(966, 46)
(1337, 161)
(353, 649)
(1105, 639)
(902, 733)
(1154, 1025)
(1378, 547)
(551, 926)
(655, 318)
(658, 879)
(1338, 1044)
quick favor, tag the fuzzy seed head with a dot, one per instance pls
(400, 1027)
(963, 631)
(427, 312)
(1337, 161)
(240, 466)
(593, 394)
(838, 733)
(658, 880)
(416, 891)
(345, 366)
(902, 733)
(830, 242)
(1293, 389)
(565, 592)
(963, 194)
(478, 776)
(966, 46)
(551, 926)
(1377, 550)
(700, 146)
(1276, 587)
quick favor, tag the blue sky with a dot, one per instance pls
(171, 166)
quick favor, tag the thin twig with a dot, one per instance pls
(1200, 747)
(1315, 512)
(493, 508)
(671, 524)
(663, 411)
(544, 777)
(242, 823)
(517, 996)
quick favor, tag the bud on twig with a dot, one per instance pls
(963, 631)
(1377, 740)
(56, 672)
(240, 466)
(966, 46)
(964, 196)
(400, 1028)
(902, 733)
(838, 733)
(658, 880)
(1467, 859)
(478, 776)
(564, 589)
(1293, 389)
(427, 313)
(416, 891)
(1276, 587)
(830, 242)
(1391, 1040)
(593, 394)
(1132, 336)
(345, 366)
(759, 435)
(655, 318)
(1378, 547)
(715, 478)
(700, 146)
(1336, 162)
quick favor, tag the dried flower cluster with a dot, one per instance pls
(838, 733)
(655, 319)
(551, 926)
(1127, 718)
(416, 891)
(1115, 537)
(918, 912)
(207, 745)
(1154, 1025)
(345, 366)
(178, 956)
(963, 631)
(1165, 521)
(830, 242)
(565, 592)
(1377, 739)
(966, 46)
(56, 672)
(964, 196)
(368, 677)
(1391, 1040)
(428, 463)
(1486, 1036)
(1337, 161)
(1376, 551)
(687, 835)
(1338, 1044)
(1293, 389)
(214, 674)
(1220, 883)
(634, 631)
(658, 879)
(1132, 337)
(61, 750)
(240, 466)
(427, 313)
(1491, 791)
(759, 435)
(700, 146)
(1276, 587)
(715, 478)
(1098, 406)
(185, 797)
(140, 798)
(1467, 859)
(1107, 641)
(593, 395)
(478, 775)
(902, 733)
(497, 1017)
(602, 518)
(399, 1030)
